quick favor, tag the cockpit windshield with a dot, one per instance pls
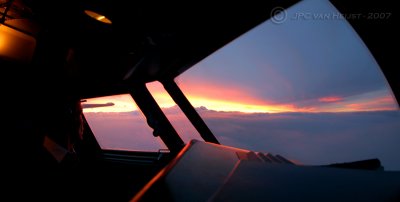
(302, 84)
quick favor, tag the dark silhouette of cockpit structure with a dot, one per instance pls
(87, 49)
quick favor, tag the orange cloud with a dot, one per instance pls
(221, 98)
(330, 99)
(222, 91)
(223, 105)
(380, 103)
(224, 98)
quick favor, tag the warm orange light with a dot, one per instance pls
(160, 94)
(15, 45)
(2, 41)
(330, 99)
(122, 103)
(246, 106)
(230, 103)
(375, 104)
(98, 17)
(231, 106)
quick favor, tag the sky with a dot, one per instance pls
(300, 85)
(299, 64)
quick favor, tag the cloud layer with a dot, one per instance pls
(309, 138)
(313, 138)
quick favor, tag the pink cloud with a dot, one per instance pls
(381, 103)
(330, 99)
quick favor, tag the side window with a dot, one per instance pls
(118, 124)
(303, 85)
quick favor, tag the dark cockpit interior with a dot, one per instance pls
(52, 51)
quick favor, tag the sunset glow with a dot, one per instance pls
(223, 105)
(378, 104)
(160, 94)
(122, 103)
(229, 101)
(330, 99)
